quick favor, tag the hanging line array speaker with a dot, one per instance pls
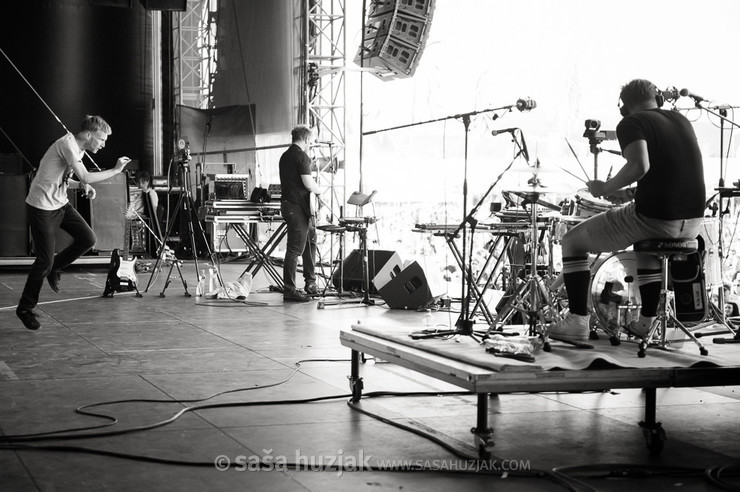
(394, 36)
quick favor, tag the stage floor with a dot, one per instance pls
(175, 348)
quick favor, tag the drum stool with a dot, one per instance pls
(665, 249)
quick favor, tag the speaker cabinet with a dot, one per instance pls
(106, 212)
(394, 36)
(13, 217)
(408, 289)
(353, 279)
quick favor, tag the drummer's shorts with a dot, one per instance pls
(621, 227)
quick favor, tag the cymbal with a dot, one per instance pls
(529, 194)
(533, 169)
(536, 188)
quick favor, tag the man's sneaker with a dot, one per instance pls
(572, 328)
(54, 278)
(641, 326)
(311, 288)
(295, 296)
(28, 317)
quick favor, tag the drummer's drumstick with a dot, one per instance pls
(577, 159)
(578, 178)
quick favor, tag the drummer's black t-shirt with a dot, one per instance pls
(673, 188)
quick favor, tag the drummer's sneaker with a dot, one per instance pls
(572, 328)
(641, 326)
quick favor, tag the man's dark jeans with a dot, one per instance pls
(44, 225)
(301, 242)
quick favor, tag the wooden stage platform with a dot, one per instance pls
(465, 363)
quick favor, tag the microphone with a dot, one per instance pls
(670, 94)
(504, 130)
(697, 98)
(526, 104)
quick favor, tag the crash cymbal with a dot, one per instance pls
(523, 168)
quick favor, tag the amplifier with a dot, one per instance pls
(274, 192)
(229, 186)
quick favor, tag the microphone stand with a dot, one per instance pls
(720, 312)
(464, 324)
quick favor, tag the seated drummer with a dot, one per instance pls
(664, 159)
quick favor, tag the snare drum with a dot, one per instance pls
(586, 205)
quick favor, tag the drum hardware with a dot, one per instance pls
(531, 297)
(358, 225)
(338, 262)
(464, 323)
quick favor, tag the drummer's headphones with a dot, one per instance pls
(659, 100)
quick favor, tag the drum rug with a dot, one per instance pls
(564, 356)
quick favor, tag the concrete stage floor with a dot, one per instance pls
(165, 354)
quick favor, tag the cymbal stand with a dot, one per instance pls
(464, 324)
(531, 294)
(719, 313)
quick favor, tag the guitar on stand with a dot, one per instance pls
(121, 270)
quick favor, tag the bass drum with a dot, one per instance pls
(614, 296)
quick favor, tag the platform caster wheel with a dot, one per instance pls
(320, 305)
(654, 437)
(592, 335)
(484, 453)
(614, 340)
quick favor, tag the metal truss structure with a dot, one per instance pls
(323, 64)
(195, 53)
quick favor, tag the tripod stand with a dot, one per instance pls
(186, 206)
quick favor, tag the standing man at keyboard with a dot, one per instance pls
(297, 185)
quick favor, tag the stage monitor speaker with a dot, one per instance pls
(394, 36)
(13, 218)
(353, 281)
(107, 212)
(176, 5)
(408, 289)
